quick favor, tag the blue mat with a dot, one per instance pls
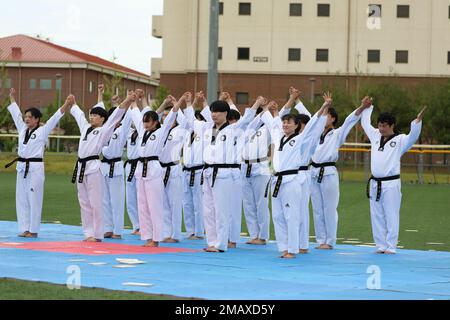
(247, 272)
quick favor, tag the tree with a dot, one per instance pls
(161, 93)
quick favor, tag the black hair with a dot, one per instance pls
(101, 112)
(386, 118)
(259, 110)
(290, 116)
(35, 113)
(233, 115)
(303, 118)
(334, 114)
(199, 116)
(151, 115)
(110, 111)
(220, 106)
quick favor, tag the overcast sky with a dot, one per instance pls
(105, 28)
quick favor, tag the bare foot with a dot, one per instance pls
(389, 252)
(90, 239)
(116, 236)
(23, 234)
(303, 251)
(31, 235)
(151, 243)
(136, 232)
(380, 251)
(288, 256)
(170, 240)
(231, 244)
(108, 235)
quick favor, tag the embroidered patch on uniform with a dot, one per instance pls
(95, 132)
(258, 133)
(223, 138)
(170, 137)
(392, 144)
(114, 137)
(33, 136)
(292, 142)
(152, 137)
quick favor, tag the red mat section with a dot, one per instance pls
(87, 248)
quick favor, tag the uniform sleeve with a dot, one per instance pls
(252, 128)
(79, 116)
(274, 125)
(136, 118)
(110, 124)
(408, 140)
(126, 125)
(313, 129)
(52, 123)
(206, 113)
(189, 115)
(300, 107)
(284, 111)
(145, 110)
(99, 105)
(14, 110)
(233, 107)
(370, 131)
(182, 120)
(244, 121)
(347, 126)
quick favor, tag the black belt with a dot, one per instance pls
(216, 168)
(168, 165)
(192, 170)
(111, 163)
(145, 161)
(379, 181)
(133, 163)
(278, 182)
(303, 168)
(322, 168)
(27, 163)
(83, 162)
(249, 164)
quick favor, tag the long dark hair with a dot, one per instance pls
(151, 115)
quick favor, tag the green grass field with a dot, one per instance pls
(425, 208)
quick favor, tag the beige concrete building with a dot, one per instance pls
(267, 45)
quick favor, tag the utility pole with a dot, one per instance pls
(213, 50)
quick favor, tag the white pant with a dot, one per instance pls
(29, 199)
(325, 200)
(173, 200)
(236, 209)
(256, 206)
(304, 214)
(131, 197)
(385, 214)
(217, 210)
(113, 204)
(192, 204)
(90, 193)
(150, 196)
(286, 215)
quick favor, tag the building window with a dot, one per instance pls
(91, 86)
(220, 8)
(294, 54)
(401, 56)
(322, 55)
(449, 12)
(375, 10)
(448, 57)
(32, 83)
(242, 97)
(7, 84)
(295, 9)
(58, 84)
(323, 10)
(45, 84)
(402, 11)
(219, 53)
(245, 8)
(243, 53)
(373, 56)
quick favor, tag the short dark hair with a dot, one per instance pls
(303, 118)
(386, 118)
(101, 112)
(233, 115)
(199, 116)
(220, 106)
(35, 112)
(333, 113)
(151, 115)
(259, 110)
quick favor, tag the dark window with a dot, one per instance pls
(45, 84)
(448, 57)
(402, 11)
(449, 12)
(219, 53)
(373, 55)
(401, 56)
(245, 8)
(294, 54)
(295, 9)
(243, 53)
(7, 84)
(322, 55)
(220, 8)
(32, 83)
(374, 10)
(241, 97)
(323, 10)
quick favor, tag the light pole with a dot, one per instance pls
(213, 50)
(58, 79)
(312, 82)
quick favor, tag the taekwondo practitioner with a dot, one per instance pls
(149, 173)
(384, 186)
(173, 184)
(325, 177)
(30, 166)
(94, 135)
(287, 184)
(221, 170)
(113, 172)
(192, 170)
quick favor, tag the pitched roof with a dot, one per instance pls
(22, 48)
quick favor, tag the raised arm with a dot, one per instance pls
(15, 112)
(53, 121)
(293, 96)
(353, 119)
(101, 91)
(370, 131)
(416, 127)
(249, 114)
